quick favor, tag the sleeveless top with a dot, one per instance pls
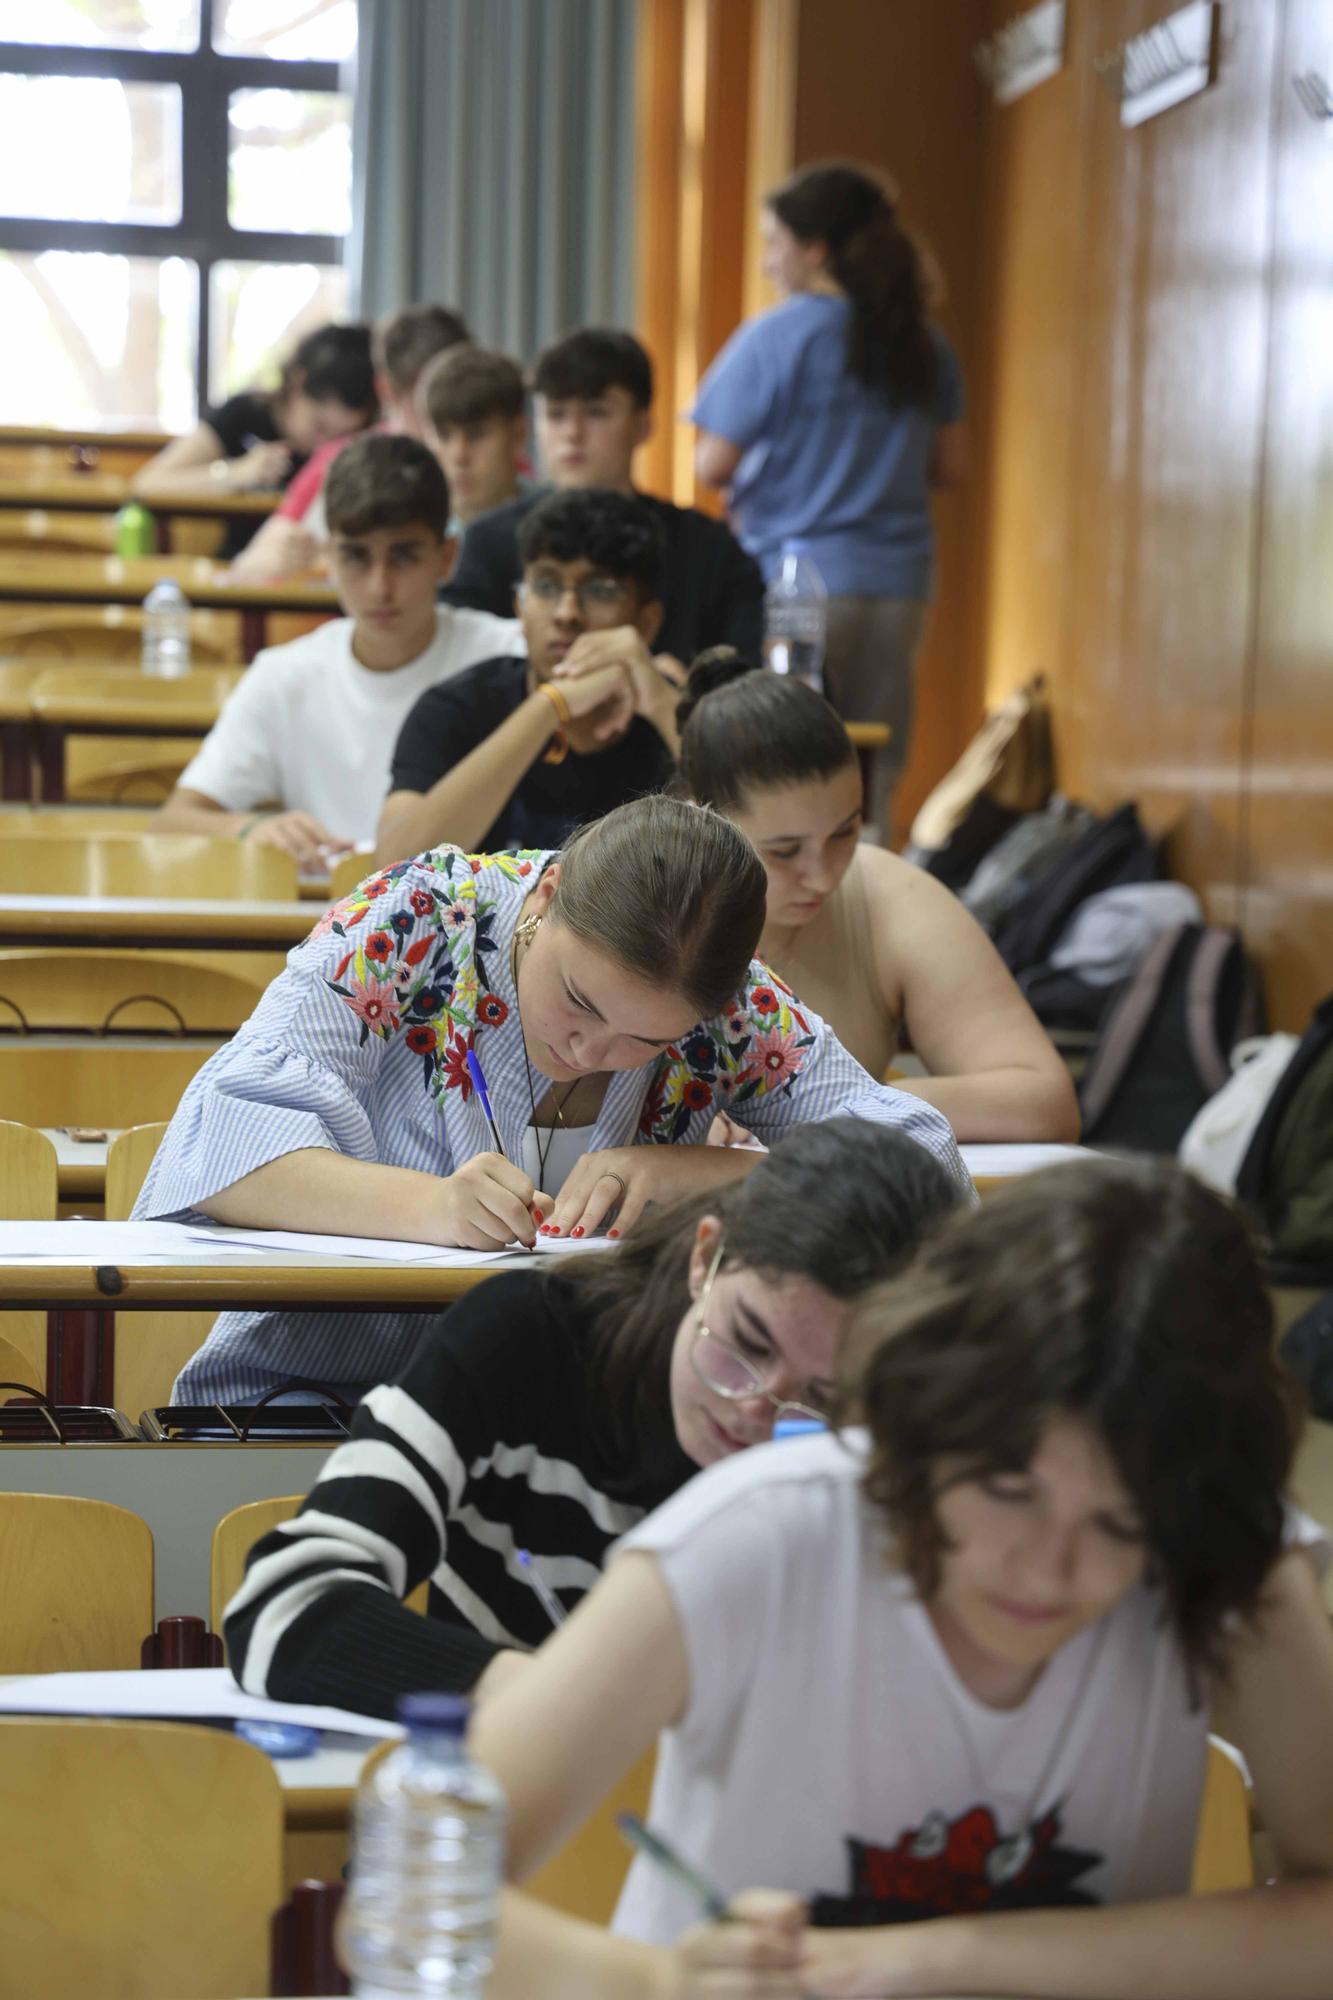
(831, 964)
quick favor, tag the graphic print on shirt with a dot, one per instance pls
(954, 1868)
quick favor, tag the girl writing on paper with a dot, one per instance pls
(879, 948)
(960, 1663)
(610, 995)
(551, 1408)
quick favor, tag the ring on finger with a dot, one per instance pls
(608, 1176)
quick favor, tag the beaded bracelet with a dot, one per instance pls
(557, 749)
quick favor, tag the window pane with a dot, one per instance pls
(290, 161)
(90, 149)
(101, 337)
(102, 24)
(293, 30)
(258, 312)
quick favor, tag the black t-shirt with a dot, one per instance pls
(449, 721)
(712, 591)
(240, 422)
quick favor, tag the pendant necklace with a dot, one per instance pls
(524, 933)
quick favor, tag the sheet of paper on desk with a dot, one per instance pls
(93, 1242)
(380, 1249)
(181, 1695)
(1001, 1162)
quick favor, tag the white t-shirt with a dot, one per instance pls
(313, 730)
(830, 1748)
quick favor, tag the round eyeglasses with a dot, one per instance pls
(729, 1373)
(593, 593)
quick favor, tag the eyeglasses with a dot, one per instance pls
(727, 1372)
(594, 593)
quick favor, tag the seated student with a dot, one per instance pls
(295, 537)
(594, 391)
(961, 1665)
(508, 755)
(608, 995)
(298, 757)
(261, 439)
(603, 1367)
(878, 947)
(474, 418)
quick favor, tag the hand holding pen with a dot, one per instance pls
(524, 1234)
(755, 1953)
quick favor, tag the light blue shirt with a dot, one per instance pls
(831, 468)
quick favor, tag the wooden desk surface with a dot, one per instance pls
(869, 735)
(68, 492)
(125, 696)
(74, 579)
(137, 922)
(56, 439)
(260, 1283)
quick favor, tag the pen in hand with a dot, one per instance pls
(712, 1903)
(542, 1590)
(484, 1100)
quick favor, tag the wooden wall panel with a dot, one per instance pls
(895, 84)
(1289, 826)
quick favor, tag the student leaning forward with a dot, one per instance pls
(609, 994)
(960, 1663)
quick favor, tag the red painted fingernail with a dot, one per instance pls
(546, 1229)
(612, 1232)
(551, 1229)
(577, 1230)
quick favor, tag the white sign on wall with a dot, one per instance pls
(1023, 53)
(1172, 60)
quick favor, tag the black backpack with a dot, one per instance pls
(1114, 850)
(1286, 1176)
(1164, 1047)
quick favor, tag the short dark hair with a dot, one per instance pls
(591, 361)
(674, 893)
(743, 730)
(405, 341)
(616, 532)
(468, 384)
(385, 482)
(1124, 1293)
(843, 1203)
(333, 362)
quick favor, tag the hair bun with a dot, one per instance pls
(716, 667)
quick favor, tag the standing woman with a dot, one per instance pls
(830, 418)
(608, 994)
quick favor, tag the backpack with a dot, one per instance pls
(1165, 1045)
(1286, 1176)
(1005, 771)
(1113, 850)
(1219, 1138)
(1306, 1349)
(1021, 857)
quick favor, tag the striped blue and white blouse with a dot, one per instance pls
(360, 1047)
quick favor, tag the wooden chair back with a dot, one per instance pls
(586, 1877)
(234, 1537)
(153, 1346)
(150, 865)
(78, 822)
(78, 1585)
(128, 1158)
(28, 1193)
(60, 1080)
(199, 992)
(109, 632)
(1223, 1855)
(136, 1858)
(346, 873)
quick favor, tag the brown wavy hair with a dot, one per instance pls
(853, 211)
(1123, 1293)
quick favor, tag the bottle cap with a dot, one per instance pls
(447, 1713)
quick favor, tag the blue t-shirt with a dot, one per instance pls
(832, 468)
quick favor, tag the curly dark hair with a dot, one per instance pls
(615, 532)
(591, 360)
(1126, 1294)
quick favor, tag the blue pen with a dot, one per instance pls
(484, 1099)
(710, 1901)
(542, 1590)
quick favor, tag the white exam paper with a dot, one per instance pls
(181, 1694)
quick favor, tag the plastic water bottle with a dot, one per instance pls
(166, 631)
(428, 1847)
(796, 620)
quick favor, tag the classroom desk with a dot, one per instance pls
(65, 490)
(114, 580)
(868, 737)
(42, 706)
(80, 1164)
(78, 1297)
(143, 923)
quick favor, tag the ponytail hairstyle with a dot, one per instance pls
(853, 212)
(744, 730)
(843, 1203)
(672, 891)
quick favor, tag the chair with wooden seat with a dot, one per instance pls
(149, 865)
(153, 1346)
(234, 1537)
(136, 1858)
(78, 1585)
(28, 1192)
(61, 822)
(109, 632)
(1223, 1855)
(78, 1080)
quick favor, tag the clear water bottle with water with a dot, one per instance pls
(166, 631)
(428, 1849)
(796, 620)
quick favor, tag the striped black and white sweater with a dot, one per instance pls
(491, 1441)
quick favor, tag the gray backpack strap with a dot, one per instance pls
(1126, 1025)
(1210, 1059)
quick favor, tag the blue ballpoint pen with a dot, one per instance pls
(542, 1590)
(711, 1903)
(484, 1100)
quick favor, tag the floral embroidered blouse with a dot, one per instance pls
(360, 1046)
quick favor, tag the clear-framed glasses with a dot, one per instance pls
(594, 593)
(729, 1373)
